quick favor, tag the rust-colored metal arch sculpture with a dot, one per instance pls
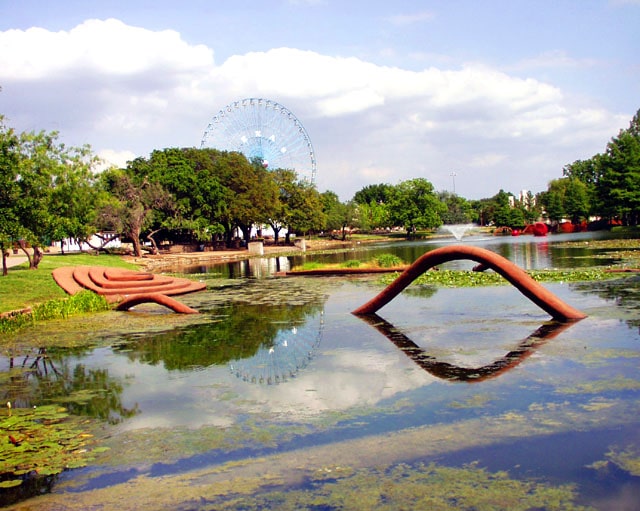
(159, 298)
(542, 297)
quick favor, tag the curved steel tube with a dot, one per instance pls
(542, 297)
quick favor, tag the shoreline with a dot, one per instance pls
(160, 261)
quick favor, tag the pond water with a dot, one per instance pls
(276, 397)
(528, 252)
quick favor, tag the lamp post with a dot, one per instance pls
(453, 177)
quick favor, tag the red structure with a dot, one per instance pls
(127, 288)
(539, 295)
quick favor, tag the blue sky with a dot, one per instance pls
(501, 93)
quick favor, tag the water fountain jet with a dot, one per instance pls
(458, 230)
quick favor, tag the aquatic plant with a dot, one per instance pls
(406, 486)
(468, 278)
(41, 441)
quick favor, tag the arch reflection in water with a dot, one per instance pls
(451, 372)
(285, 357)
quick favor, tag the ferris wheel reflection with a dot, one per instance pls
(288, 354)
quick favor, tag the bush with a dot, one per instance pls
(351, 263)
(389, 261)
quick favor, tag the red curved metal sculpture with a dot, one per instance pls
(539, 295)
(159, 298)
(127, 286)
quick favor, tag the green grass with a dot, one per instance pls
(23, 288)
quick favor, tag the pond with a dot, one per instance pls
(277, 397)
(528, 252)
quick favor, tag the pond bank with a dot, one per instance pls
(163, 261)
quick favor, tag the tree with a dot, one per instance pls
(47, 188)
(612, 179)
(414, 205)
(458, 209)
(576, 200)
(502, 211)
(378, 193)
(619, 183)
(188, 174)
(338, 215)
(306, 210)
(287, 183)
(131, 206)
(10, 228)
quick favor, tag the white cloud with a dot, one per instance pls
(106, 47)
(133, 90)
(112, 158)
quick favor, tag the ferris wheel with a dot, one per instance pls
(265, 130)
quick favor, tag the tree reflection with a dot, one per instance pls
(237, 332)
(41, 378)
(447, 371)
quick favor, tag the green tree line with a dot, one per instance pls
(50, 192)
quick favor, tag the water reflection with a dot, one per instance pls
(528, 252)
(55, 377)
(288, 354)
(451, 372)
(237, 332)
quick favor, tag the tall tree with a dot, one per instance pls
(338, 215)
(10, 228)
(619, 184)
(53, 199)
(458, 209)
(414, 205)
(131, 206)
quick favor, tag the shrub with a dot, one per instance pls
(389, 261)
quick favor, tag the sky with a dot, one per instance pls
(473, 96)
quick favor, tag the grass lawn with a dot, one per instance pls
(24, 288)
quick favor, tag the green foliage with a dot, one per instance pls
(388, 261)
(311, 265)
(351, 263)
(85, 301)
(566, 197)
(376, 193)
(612, 179)
(338, 215)
(414, 205)
(133, 204)
(46, 190)
(43, 440)
(458, 209)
